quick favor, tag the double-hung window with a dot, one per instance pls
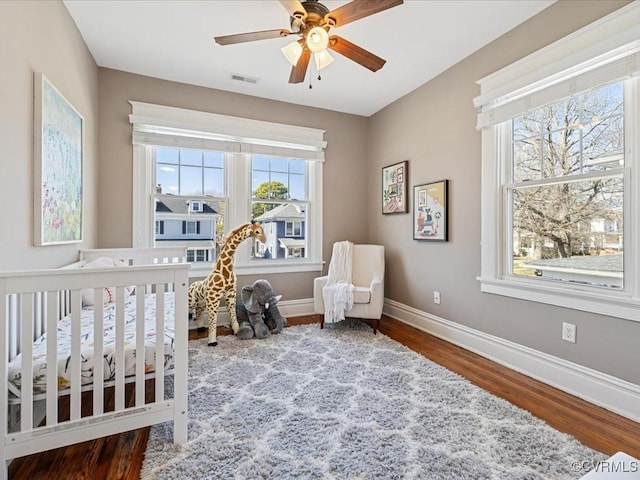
(561, 171)
(198, 175)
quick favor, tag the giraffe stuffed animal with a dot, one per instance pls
(221, 281)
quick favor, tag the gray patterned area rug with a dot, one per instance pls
(341, 403)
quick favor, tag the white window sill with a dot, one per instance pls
(613, 303)
(259, 267)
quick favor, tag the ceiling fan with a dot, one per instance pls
(311, 21)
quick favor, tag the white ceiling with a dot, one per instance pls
(173, 40)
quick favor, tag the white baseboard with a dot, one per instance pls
(614, 394)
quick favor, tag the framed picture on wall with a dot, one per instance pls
(430, 216)
(58, 165)
(394, 188)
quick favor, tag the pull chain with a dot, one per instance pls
(310, 77)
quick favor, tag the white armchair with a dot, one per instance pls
(368, 279)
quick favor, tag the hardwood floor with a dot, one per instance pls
(120, 456)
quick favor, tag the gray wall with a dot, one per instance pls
(40, 36)
(345, 188)
(434, 128)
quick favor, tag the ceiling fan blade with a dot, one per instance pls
(295, 8)
(358, 9)
(356, 53)
(300, 70)
(251, 36)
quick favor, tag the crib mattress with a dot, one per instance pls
(87, 343)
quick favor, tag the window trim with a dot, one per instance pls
(566, 57)
(157, 125)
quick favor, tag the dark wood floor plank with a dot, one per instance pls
(120, 457)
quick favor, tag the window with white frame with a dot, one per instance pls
(234, 165)
(561, 169)
(293, 229)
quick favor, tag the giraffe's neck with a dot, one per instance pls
(229, 247)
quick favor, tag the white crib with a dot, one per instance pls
(42, 315)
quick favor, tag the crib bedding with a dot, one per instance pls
(87, 343)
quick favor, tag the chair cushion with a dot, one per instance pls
(361, 295)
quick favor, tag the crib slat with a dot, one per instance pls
(5, 328)
(52, 309)
(159, 354)
(98, 354)
(38, 315)
(75, 373)
(181, 359)
(26, 348)
(119, 350)
(140, 351)
(13, 335)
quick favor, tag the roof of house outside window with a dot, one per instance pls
(286, 211)
(292, 242)
(180, 205)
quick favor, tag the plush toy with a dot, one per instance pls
(221, 282)
(257, 312)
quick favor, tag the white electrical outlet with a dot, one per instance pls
(569, 332)
(436, 297)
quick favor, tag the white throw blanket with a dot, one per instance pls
(337, 294)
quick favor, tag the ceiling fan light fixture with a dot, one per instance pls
(317, 39)
(292, 52)
(322, 59)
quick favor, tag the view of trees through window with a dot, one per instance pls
(567, 189)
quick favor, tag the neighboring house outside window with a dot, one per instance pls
(174, 214)
(187, 171)
(277, 223)
(561, 169)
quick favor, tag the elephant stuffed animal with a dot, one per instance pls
(257, 312)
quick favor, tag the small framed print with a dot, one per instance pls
(430, 216)
(394, 188)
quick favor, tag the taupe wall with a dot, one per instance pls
(40, 36)
(345, 187)
(434, 128)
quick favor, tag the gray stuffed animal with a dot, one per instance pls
(257, 312)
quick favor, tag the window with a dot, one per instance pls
(567, 182)
(191, 227)
(561, 169)
(197, 255)
(221, 170)
(283, 181)
(293, 229)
